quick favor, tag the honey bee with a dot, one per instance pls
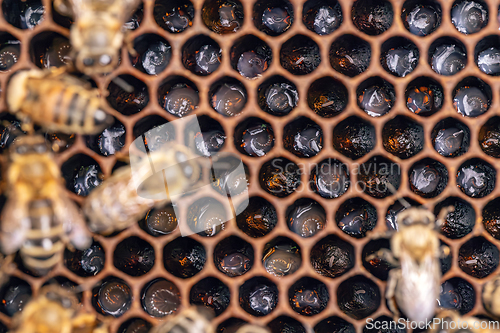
(56, 101)
(191, 320)
(125, 197)
(97, 34)
(415, 250)
(491, 296)
(250, 328)
(450, 321)
(6, 267)
(55, 310)
(38, 218)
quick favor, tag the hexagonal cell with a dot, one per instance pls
(300, 55)
(421, 17)
(178, 96)
(232, 179)
(379, 267)
(273, 17)
(332, 257)
(478, 257)
(258, 218)
(108, 142)
(461, 221)
(327, 97)
(50, 49)
(486, 55)
(82, 174)
(472, 97)
(424, 96)
(387, 324)
(159, 221)
(489, 137)
(258, 296)
(23, 14)
(330, 178)
(379, 177)
(400, 204)
(174, 16)
(284, 324)
(233, 256)
(354, 137)
(356, 217)
(469, 16)
(334, 324)
(160, 298)
(447, 56)
(450, 137)
(10, 51)
(476, 178)
(322, 16)
(205, 135)
(306, 217)
(153, 54)
(212, 293)
(457, 294)
(201, 55)
(281, 257)
(184, 257)
(222, 16)
(14, 295)
(157, 135)
(428, 178)
(127, 102)
(135, 325)
(358, 296)
(308, 296)
(277, 96)
(350, 55)
(113, 297)
(375, 96)
(134, 256)
(206, 217)
(230, 325)
(88, 262)
(399, 56)
(372, 17)
(254, 137)
(250, 56)
(58, 141)
(403, 137)
(228, 96)
(280, 177)
(303, 137)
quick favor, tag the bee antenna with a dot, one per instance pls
(401, 200)
(123, 84)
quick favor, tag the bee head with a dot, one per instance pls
(101, 63)
(416, 215)
(29, 144)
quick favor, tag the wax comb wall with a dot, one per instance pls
(278, 86)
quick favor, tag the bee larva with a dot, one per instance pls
(413, 287)
(38, 218)
(55, 310)
(98, 33)
(118, 203)
(56, 101)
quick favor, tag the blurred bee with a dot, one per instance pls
(491, 296)
(415, 250)
(125, 197)
(191, 320)
(450, 321)
(38, 218)
(98, 33)
(56, 101)
(55, 310)
(6, 267)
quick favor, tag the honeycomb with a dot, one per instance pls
(329, 98)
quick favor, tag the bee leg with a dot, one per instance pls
(442, 215)
(129, 44)
(394, 276)
(384, 254)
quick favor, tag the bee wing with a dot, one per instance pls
(14, 225)
(74, 225)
